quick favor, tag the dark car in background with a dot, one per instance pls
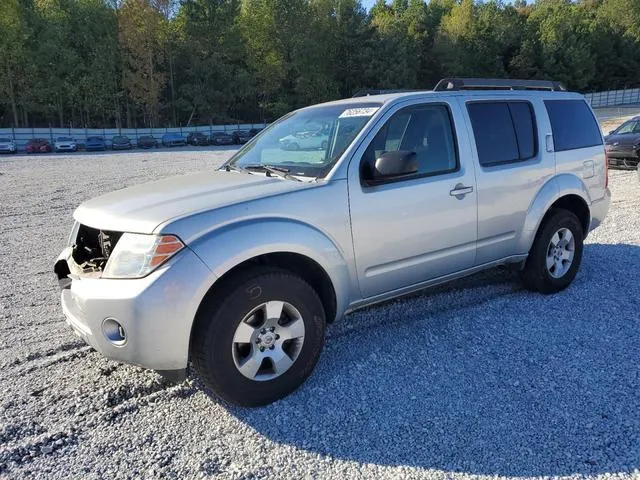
(8, 146)
(147, 141)
(221, 138)
(173, 140)
(197, 138)
(241, 136)
(121, 142)
(255, 131)
(623, 144)
(94, 144)
(38, 145)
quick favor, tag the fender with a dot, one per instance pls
(555, 188)
(225, 248)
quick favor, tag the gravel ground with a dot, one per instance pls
(474, 379)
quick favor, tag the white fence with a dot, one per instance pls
(612, 98)
(22, 135)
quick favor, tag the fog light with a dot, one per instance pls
(114, 332)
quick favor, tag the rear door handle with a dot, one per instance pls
(460, 190)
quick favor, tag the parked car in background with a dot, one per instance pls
(221, 138)
(307, 140)
(173, 140)
(255, 131)
(238, 271)
(94, 144)
(241, 136)
(38, 145)
(65, 144)
(121, 142)
(147, 141)
(8, 146)
(197, 138)
(623, 144)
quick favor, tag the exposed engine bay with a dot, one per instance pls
(93, 248)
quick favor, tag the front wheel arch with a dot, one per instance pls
(298, 264)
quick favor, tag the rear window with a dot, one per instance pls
(572, 124)
(504, 131)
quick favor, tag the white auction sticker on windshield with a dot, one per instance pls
(359, 112)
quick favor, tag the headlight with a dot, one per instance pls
(137, 255)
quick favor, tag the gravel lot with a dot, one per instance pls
(474, 379)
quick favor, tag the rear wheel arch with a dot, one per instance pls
(565, 191)
(574, 204)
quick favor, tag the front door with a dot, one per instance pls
(415, 228)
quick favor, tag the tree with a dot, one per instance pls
(140, 37)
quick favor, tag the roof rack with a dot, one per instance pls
(453, 84)
(367, 92)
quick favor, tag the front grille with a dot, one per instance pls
(93, 248)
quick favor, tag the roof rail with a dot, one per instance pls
(452, 84)
(367, 92)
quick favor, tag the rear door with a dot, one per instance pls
(508, 135)
(418, 227)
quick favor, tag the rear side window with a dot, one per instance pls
(572, 124)
(504, 131)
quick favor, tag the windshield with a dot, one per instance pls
(632, 126)
(64, 139)
(307, 142)
(94, 139)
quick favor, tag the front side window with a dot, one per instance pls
(504, 131)
(573, 125)
(307, 142)
(426, 130)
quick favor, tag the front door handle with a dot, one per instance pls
(460, 190)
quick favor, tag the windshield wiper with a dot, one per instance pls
(272, 170)
(228, 167)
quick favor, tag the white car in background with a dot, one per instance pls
(65, 144)
(307, 140)
(8, 146)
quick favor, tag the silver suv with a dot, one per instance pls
(239, 270)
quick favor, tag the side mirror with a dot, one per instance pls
(395, 164)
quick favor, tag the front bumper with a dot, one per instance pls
(66, 148)
(156, 312)
(599, 209)
(625, 157)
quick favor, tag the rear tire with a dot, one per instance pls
(221, 354)
(554, 258)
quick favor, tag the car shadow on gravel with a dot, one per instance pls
(481, 377)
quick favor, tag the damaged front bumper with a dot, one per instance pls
(146, 321)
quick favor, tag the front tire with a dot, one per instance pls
(556, 254)
(258, 338)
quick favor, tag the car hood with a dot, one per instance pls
(142, 208)
(626, 139)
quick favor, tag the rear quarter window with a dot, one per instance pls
(572, 124)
